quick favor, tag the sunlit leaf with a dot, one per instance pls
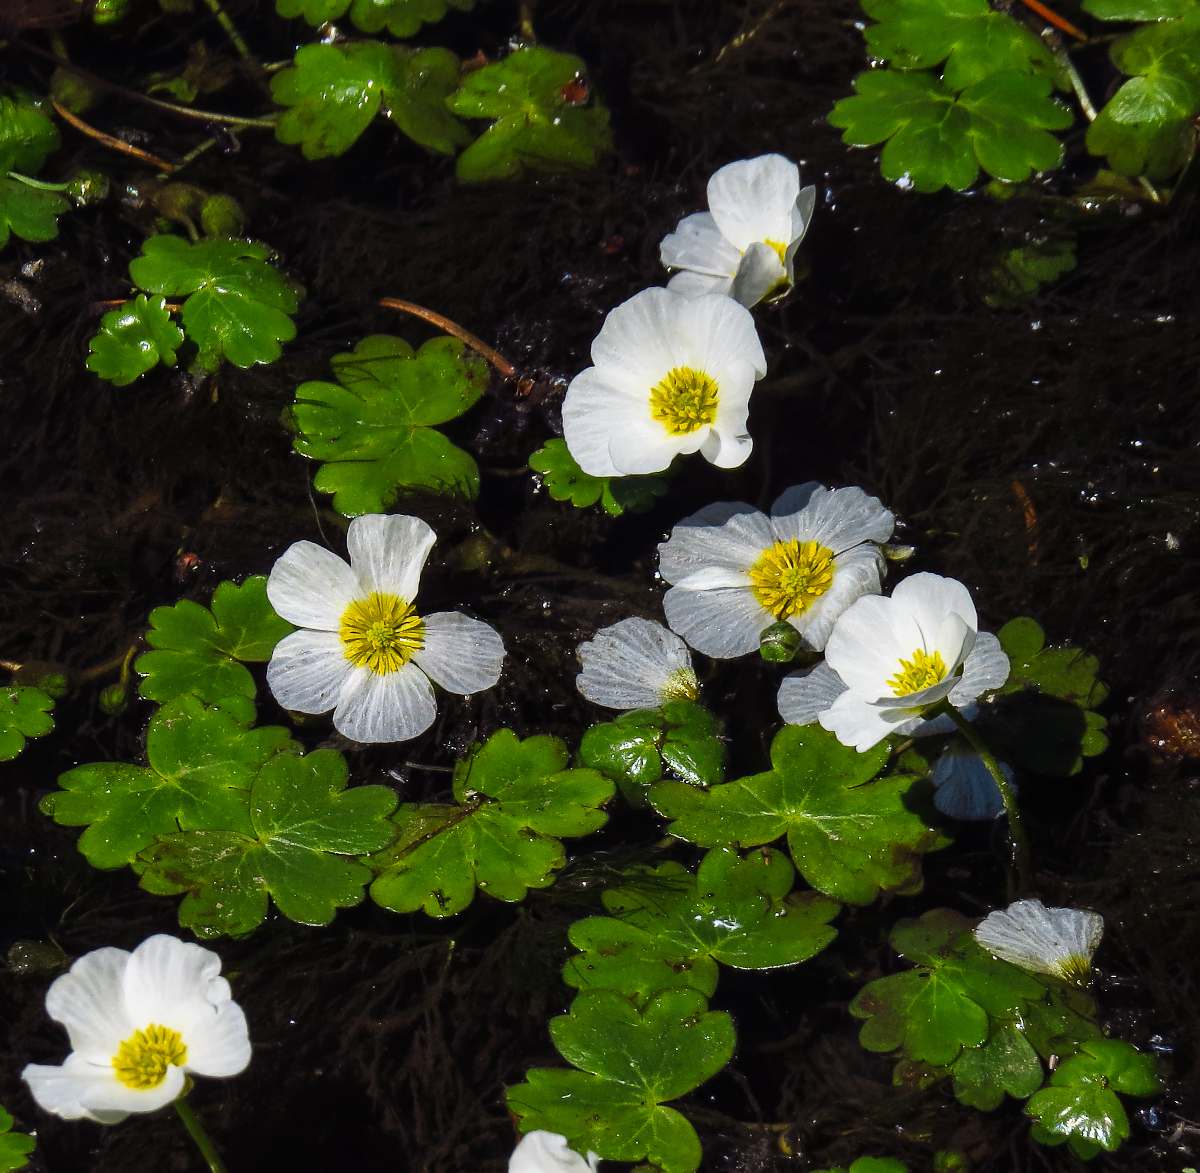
(29, 212)
(24, 713)
(15, 1147)
(1005, 1064)
(566, 481)
(132, 339)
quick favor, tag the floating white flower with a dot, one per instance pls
(745, 245)
(963, 788)
(547, 1152)
(636, 664)
(139, 1023)
(1055, 941)
(736, 571)
(889, 660)
(672, 375)
(363, 650)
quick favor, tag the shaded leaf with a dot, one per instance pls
(566, 481)
(1064, 672)
(1024, 270)
(29, 212)
(24, 713)
(132, 339)
(1006, 1063)
(27, 134)
(401, 18)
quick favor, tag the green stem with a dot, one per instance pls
(39, 184)
(203, 1141)
(235, 38)
(207, 115)
(1021, 864)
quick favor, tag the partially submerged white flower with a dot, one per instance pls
(363, 649)
(672, 375)
(736, 571)
(889, 660)
(963, 788)
(547, 1152)
(139, 1023)
(1055, 941)
(745, 245)
(636, 664)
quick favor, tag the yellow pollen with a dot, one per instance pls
(683, 400)
(681, 685)
(381, 632)
(788, 577)
(922, 671)
(142, 1060)
(780, 250)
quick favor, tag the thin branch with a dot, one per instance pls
(463, 335)
(109, 141)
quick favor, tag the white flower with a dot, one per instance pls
(888, 660)
(745, 245)
(363, 650)
(672, 374)
(139, 1023)
(636, 664)
(547, 1152)
(963, 788)
(736, 571)
(1056, 941)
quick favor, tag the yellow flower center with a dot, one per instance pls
(681, 685)
(780, 250)
(381, 632)
(922, 671)
(142, 1060)
(788, 577)
(683, 400)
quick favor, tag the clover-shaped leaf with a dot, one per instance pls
(401, 18)
(1066, 672)
(566, 481)
(631, 1063)
(514, 801)
(29, 212)
(850, 837)
(15, 1147)
(667, 926)
(290, 844)
(373, 429)
(24, 713)
(1005, 1063)
(197, 650)
(201, 761)
(132, 339)
(542, 117)
(27, 135)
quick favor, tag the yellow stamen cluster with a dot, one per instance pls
(681, 685)
(788, 577)
(142, 1060)
(381, 632)
(922, 671)
(684, 400)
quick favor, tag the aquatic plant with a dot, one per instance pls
(547, 1152)
(636, 664)
(15, 1147)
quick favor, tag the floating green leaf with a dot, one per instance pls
(667, 927)
(1005, 1064)
(850, 837)
(15, 1147)
(373, 428)
(27, 135)
(542, 118)
(514, 801)
(566, 481)
(24, 713)
(334, 92)
(870, 1165)
(1066, 672)
(401, 18)
(29, 212)
(132, 339)
(1022, 271)
(632, 1063)
(197, 650)
(201, 763)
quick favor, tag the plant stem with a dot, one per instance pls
(235, 38)
(39, 184)
(525, 21)
(207, 115)
(1020, 868)
(463, 335)
(108, 140)
(203, 1141)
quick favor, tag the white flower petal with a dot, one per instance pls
(634, 664)
(387, 553)
(836, 518)
(929, 598)
(697, 245)
(80, 1090)
(963, 788)
(220, 1045)
(801, 219)
(857, 723)
(720, 623)
(311, 586)
(307, 671)
(462, 654)
(718, 336)
(856, 572)
(1057, 941)
(753, 199)
(641, 445)
(594, 411)
(804, 696)
(547, 1152)
(89, 1001)
(397, 706)
(760, 272)
(863, 648)
(689, 284)
(986, 667)
(726, 534)
(640, 340)
(728, 448)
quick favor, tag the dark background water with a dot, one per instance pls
(1046, 454)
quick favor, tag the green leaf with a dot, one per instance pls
(632, 1062)
(535, 97)
(870, 1165)
(29, 212)
(237, 306)
(27, 135)
(849, 837)
(15, 1147)
(201, 763)
(132, 339)
(24, 713)
(401, 18)
(566, 481)
(1138, 9)
(935, 138)
(291, 843)
(1065, 672)
(334, 92)
(316, 12)
(1006, 1063)
(514, 801)
(1022, 271)
(197, 650)
(373, 428)
(667, 926)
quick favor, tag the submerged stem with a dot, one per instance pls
(197, 1132)
(231, 31)
(463, 335)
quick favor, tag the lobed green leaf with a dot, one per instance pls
(28, 212)
(566, 481)
(24, 713)
(15, 1147)
(27, 134)
(133, 339)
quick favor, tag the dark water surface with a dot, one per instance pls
(1045, 454)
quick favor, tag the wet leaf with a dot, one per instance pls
(566, 481)
(132, 339)
(632, 1063)
(1005, 1064)
(373, 429)
(24, 713)
(237, 306)
(1024, 270)
(15, 1147)
(851, 834)
(870, 1165)
(27, 134)
(667, 926)
(201, 761)
(401, 18)
(514, 801)
(197, 650)
(290, 844)
(1064, 672)
(28, 212)
(539, 122)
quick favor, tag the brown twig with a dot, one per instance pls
(108, 140)
(1052, 17)
(463, 335)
